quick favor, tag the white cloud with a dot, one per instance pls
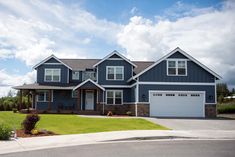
(208, 36)
(134, 10)
(8, 80)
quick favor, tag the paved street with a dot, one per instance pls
(176, 148)
(195, 124)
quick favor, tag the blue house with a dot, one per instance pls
(177, 85)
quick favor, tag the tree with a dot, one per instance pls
(233, 91)
(222, 89)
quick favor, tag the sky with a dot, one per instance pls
(31, 30)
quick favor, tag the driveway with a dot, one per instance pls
(195, 124)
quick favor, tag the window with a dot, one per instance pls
(114, 96)
(114, 73)
(176, 67)
(170, 94)
(52, 75)
(74, 93)
(43, 96)
(88, 75)
(195, 95)
(75, 75)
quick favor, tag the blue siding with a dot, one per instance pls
(194, 74)
(60, 97)
(52, 60)
(133, 94)
(144, 90)
(75, 81)
(41, 70)
(102, 72)
(114, 56)
(177, 55)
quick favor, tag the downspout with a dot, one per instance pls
(103, 102)
(137, 97)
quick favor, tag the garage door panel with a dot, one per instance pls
(176, 104)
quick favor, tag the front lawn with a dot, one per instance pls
(73, 124)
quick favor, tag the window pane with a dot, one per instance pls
(75, 75)
(181, 71)
(110, 70)
(171, 64)
(118, 94)
(119, 70)
(119, 76)
(56, 78)
(110, 94)
(48, 72)
(48, 77)
(172, 71)
(181, 64)
(56, 72)
(109, 100)
(41, 96)
(110, 76)
(74, 93)
(118, 101)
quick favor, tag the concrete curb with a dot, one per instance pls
(36, 143)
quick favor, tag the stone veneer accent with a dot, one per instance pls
(143, 110)
(116, 109)
(210, 110)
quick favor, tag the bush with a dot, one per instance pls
(226, 108)
(129, 113)
(30, 122)
(14, 110)
(5, 132)
(110, 113)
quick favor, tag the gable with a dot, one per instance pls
(115, 56)
(178, 55)
(172, 53)
(52, 60)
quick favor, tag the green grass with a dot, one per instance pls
(228, 107)
(73, 124)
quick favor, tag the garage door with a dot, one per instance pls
(176, 104)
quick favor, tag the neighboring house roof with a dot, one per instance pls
(230, 97)
(42, 87)
(168, 55)
(115, 53)
(48, 58)
(80, 64)
(88, 80)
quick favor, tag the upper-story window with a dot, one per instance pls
(88, 75)
(114, 73)
(177, 67)
(75, 75)
(52, 75)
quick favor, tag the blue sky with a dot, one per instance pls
(141, 30)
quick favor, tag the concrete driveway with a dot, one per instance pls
(195, 124)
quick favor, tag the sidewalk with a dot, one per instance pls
(26, 144)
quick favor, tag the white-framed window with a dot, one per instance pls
(177, 67)
(52, 75)
(114, 97)
(74, 93)
(43, 96)
(114, 73)
(75, 75)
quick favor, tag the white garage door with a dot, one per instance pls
(176, 104)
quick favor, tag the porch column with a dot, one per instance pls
(20, 101)
(79, 100)
(97, 100)
(33, 100)
(49, 101)
(28, 100)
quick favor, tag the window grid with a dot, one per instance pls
(114, 73)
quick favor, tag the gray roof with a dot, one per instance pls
(82, 64)
(37, 86)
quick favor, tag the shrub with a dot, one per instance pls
(34, 132)
(226, 108)
(14, 110)
(30, 122)
(1, 107)
(110, 113)
(5, 132)
(129, 113)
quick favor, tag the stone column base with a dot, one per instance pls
(210, 110)
(143, 110)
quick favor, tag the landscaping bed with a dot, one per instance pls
(20, 133)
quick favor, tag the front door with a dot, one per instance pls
(89, 100)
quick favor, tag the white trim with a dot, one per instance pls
(48, 58)
(136, 96)
(176, 67)
(68, 76)
(52, 74)
(88, 81)
(115, 72)
(117, 86)
(215, 92)
(117, 53)
(168, 55)
(164, 91)
(177, 83)
(97, 74)
(114, 92)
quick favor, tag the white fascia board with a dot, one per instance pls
(184, 53)
(48, 58)
(117, 53)
(88, 80)
(178, 83)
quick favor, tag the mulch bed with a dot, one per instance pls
(20, 133)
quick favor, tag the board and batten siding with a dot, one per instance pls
(209, 90)
(102, 72)
(194, 74)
